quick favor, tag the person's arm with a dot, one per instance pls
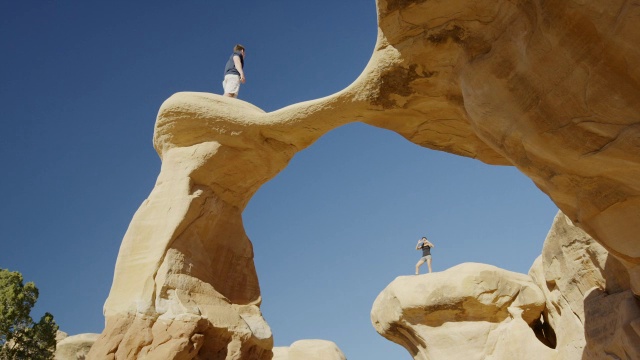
(238, 63)
(419, 246)
(430, 244)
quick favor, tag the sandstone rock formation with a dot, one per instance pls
(309, 350)
(574, 304)
(61, 335)
(549, 87)
(74, 347)
(470, 311)
(588, 298)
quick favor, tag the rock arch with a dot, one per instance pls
(549, 87)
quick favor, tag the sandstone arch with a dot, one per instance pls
(551, 88)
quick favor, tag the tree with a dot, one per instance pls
(20, 337)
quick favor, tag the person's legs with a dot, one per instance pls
(420, 262)
(429, 262)
(231, 85)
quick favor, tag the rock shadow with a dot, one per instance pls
(612, 316)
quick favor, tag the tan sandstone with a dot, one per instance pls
(575, 304)
(470, 311)
(309, 350)
(549, 87)
(588, 298)
(75, 347)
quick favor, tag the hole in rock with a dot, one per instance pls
(543, 330)
(341, 222)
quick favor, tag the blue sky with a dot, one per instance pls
(80, 86)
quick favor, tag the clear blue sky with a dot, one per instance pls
(80, 86)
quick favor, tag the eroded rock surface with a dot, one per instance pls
(470, 311)
(549, 87)
(574, 304)
(588, 298)
(75, 347)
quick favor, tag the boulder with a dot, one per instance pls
(470, 311)
(576, 303)
(74, 347)
(309, 350)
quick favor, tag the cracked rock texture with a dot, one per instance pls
(588, 298)
(549, 87)
(574, 304)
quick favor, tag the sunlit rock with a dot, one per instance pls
(74, 347)
(309, 350)
(549, 87)
(470, 311)
(575, 304)
(589, 304)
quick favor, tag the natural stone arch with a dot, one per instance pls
(550, 88)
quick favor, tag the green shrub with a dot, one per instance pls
(20, 337)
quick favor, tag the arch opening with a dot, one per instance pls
(341, 222)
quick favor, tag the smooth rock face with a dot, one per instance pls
(309, 350)
(470, 311)
(549, 87)
(574, 304)
(74, 347)
(281, 353)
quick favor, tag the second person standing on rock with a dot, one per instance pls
(425, 246)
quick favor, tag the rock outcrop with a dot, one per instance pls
(549, 87)
(588, 298)
(470, 311)
(574, 304)
(309, 350)
(74, 347)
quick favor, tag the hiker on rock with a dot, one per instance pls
(425, 246)
(234, 72)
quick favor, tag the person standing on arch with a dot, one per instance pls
(425, 246)
(234, 72)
